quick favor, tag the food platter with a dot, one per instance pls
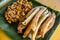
(11, 29)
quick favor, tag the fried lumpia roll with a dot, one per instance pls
(46, 26)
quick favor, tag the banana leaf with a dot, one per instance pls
(11, 29)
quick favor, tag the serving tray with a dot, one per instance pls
(11, 29)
